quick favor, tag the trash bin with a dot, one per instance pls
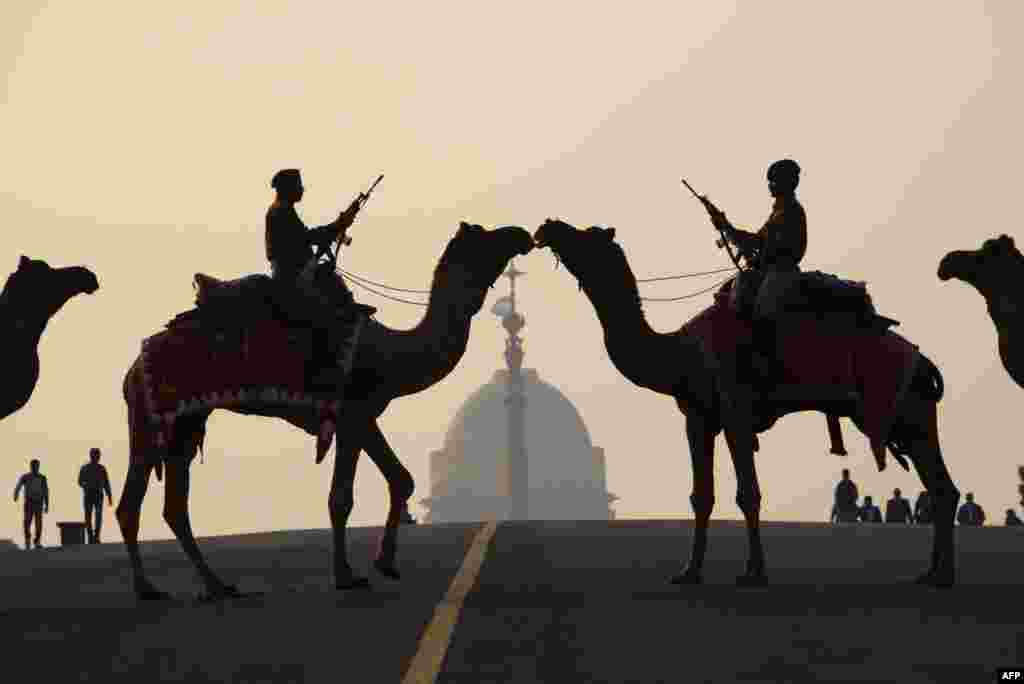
(72, 533)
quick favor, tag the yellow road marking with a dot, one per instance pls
(426, 664)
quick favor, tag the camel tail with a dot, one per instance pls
(929, 383)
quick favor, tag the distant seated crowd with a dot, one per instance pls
(898, 509)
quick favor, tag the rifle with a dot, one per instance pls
(323, 244)
(359, 201)
(715, 214)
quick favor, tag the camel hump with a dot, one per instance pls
(210, 289)
(203, 280)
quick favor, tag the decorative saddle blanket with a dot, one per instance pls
(187, 370)
(875, 367)
(204, 360)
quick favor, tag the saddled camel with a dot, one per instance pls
(387, 364)
(885, 386)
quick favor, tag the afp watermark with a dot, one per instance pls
(1010, 674)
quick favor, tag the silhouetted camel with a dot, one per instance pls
(996, 270)
(32, 296)
(388, 364)
(679, 365)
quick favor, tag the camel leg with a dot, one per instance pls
(128, 513)
(702, 455)
(400, 488)
(176, 515)
(748, 497)
(342, 499)
(920, 420)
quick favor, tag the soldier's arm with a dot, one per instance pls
(743, 238)
(106, 482)
(17, 487)
(345, 219)
(46, 492)
(81, 477)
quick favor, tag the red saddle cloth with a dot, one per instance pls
(187, 369)
(877, 366)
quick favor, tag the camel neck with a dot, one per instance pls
(637, 350)
(1003, 302)
(432, 348)
(25, 322)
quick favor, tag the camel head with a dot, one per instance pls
(37, 283)
(582, 251)
(481, 254)
(994, 255)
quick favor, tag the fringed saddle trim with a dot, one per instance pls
(162, 423)
(270, 395)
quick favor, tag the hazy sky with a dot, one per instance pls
(140, 142)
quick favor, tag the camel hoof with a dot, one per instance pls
(386, 569)
(153, 594)
(939, 580)
(683, 579)
(354, 583)
(752, 580)
(687, 576)
(227, 592)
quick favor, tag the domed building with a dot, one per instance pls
(517, 449)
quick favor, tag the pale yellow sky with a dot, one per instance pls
(140, 142)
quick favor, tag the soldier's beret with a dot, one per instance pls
(784, 168)
(286, 178)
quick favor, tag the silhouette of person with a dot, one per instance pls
(845, 509)
(1011, 518)
(288, 245)
(869, 512)
(970, 514)
(93, 480)
(897, 509)
(923, 509)
(776, 252)
(37, 501)
(1020, 487)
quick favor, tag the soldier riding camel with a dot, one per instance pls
(774, 256)
(293, 268)
(773, 286)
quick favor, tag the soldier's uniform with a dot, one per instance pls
(762, 291)
(293, 268)
(781, 244)
(288, 244)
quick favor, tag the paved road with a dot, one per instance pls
(588, 602)
(70, 613)
(553, 602)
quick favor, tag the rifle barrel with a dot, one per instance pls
(690, 188)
